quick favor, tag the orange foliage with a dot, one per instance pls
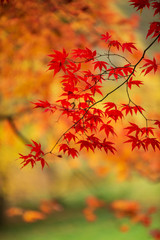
(93, 204)
(48, 207)
(125, 208)
(33, 216)
(14, 211)
(89, 214)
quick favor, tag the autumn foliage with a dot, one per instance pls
(83, 73)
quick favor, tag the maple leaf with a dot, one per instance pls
(45, 104)
(58, 61)
(134, 82)
(130, 109)
(71, 151)
(127, 69)
(157, 122)
(136, 142)
(97, 111)
(88, 97)
(127, 109)
(116, 72)
(114, 114)
(108, 129)
(140, 4)
(153, 142)
(69, 136)
(95, 141)
(27, 159)
(100, 65)
(88, 145)
(36, 148)
(107, 146)
(84, 53)
(128, 46)
(147, 130)
(95, 89)
(33, 158)
(151, 65)
(154, 29)
(105, 36)
(156, 7)
(64, 103)
(83, 105)
(110, 105)
(133, 128)
(138, 109)
(73, 67)
(114, 43)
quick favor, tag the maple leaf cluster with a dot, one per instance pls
(35, 155)
(82, 73)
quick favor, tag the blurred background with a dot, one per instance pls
(60, 201)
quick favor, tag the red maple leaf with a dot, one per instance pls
(69, 136)
(65, 103)
(95, 89)
(154, 29)
(128, 46)
(114, 43)
(73, 152)
(147, 131)
(134, 82)
(136, 142)
(95, 141)
(100, 65)
(88, 145)
(138, 109)
(34, 156)
(73, 67)
(105, 37)
(116, 72)
(140, 4)
(114, 114)
(58, 61)
(110, 105)
(150, 65)
(70, 151)
(107, 146)
(84, 53)
(127, 69)
(156, 7)
(127, 109)
(45, 104)
(108, 129)
(157, 122)
(153, 142)
(133, 128)
(36, 148)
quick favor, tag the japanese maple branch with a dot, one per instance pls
(102, 99)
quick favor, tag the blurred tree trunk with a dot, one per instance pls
(2, 210)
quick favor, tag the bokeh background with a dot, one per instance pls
(48, 204)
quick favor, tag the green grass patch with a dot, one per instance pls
(71, 225)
